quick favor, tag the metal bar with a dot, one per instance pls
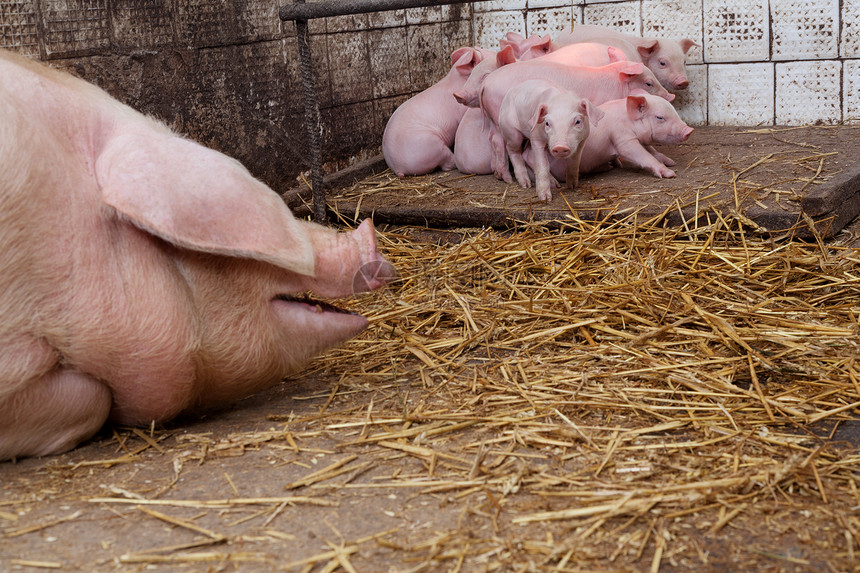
(313, 125)
(302, 11)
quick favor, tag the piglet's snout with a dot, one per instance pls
(560, 151)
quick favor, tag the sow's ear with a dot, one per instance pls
(199, 199)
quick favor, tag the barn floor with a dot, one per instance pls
(770, 176)
(615, 396)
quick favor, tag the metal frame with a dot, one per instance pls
(300, 12)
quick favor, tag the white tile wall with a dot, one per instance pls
(692, 103)
(808, 92)
(851, 91)
(623, 16)
(551, 20)
(736, 30)
(804, 29)
(492, 27)
(740, 94)
(850, 47)
(760, 61)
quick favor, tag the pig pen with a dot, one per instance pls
(640, 375)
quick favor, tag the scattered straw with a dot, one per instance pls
(611, 395)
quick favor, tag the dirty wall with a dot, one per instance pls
(225, 72)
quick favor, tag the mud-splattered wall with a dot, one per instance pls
(225, 72)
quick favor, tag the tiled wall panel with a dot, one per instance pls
(740, 94)
(851, 91)
(550, 20)
(850, 29)
(692, 103)
(142, 23)
(805, 30)
(622, 16)
(491, 27)
(808, 92)
(348, 65)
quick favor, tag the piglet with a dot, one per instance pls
(420, 133)
(472, 151)
(143, 275)
(630, 126)
(595, 84)
(664, 57)
(556, 123)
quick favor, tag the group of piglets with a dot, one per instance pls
(552, 109)
(142, 275)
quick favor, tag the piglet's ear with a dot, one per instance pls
(465, 59)
(199, 199)
(615, 54)
(637, 105)
(646, 46)
(594, 113)
(539, 115)
(687, 44)
(506, 55)
(544, 43)
(629, 70)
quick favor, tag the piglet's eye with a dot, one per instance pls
(663, 63)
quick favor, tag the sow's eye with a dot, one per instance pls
(660, 118)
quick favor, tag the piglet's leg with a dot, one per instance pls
(500, 155)
(542, 174)
(514, 147)
(634, 153)
(52, 414)
(667, 161)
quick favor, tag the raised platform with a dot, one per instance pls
(776, 179)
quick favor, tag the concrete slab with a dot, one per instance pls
(777, 180)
